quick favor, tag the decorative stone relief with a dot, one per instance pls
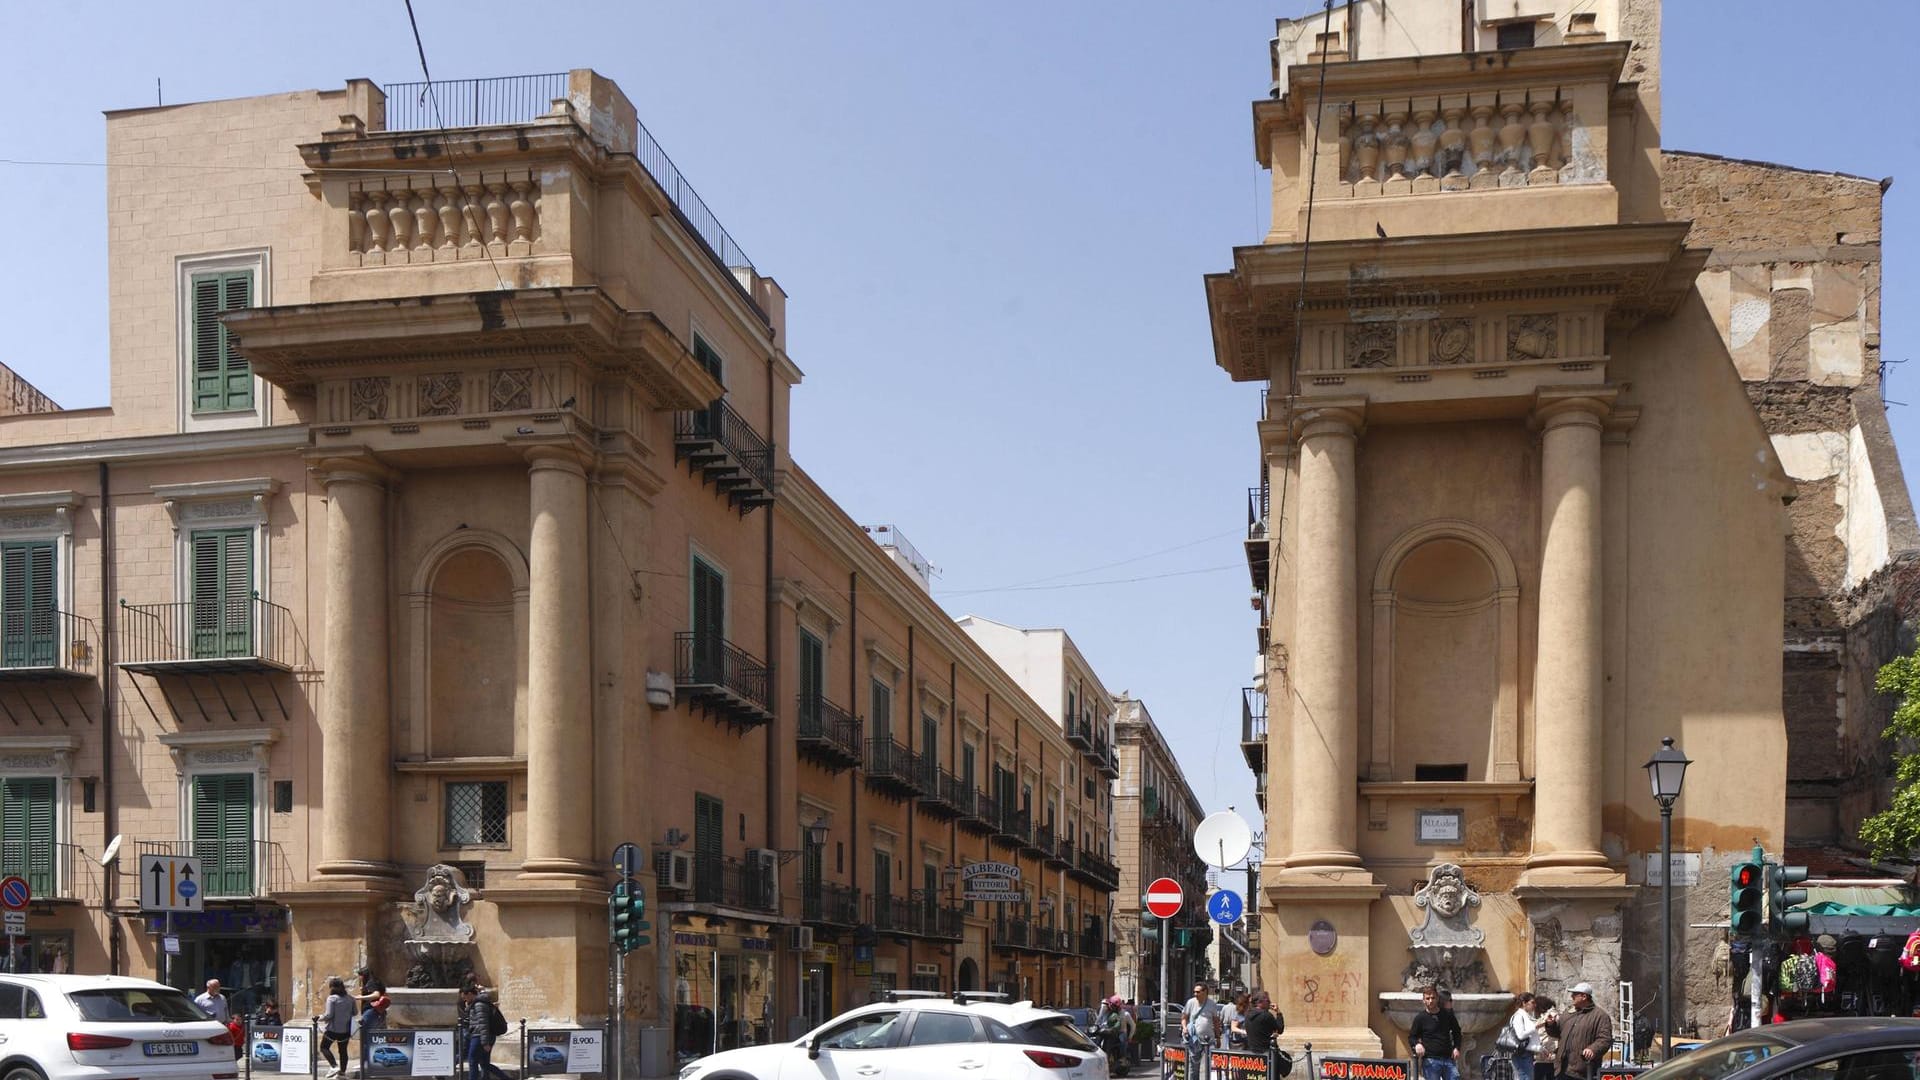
(28, 520)
(438, 902)
(225, 755)
(1371, 344)
(1446, 898)
(512, 388)
(370, 398)
(218, 508)
(19, 762)
(439, 394)
(1450, 341)
(1532, 337)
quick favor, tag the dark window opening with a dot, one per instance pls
(1437, 773)
(1517, 35)
(283, 796)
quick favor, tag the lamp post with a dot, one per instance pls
(1666, 770)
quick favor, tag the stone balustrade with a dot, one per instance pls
(439, 218)
(1468, 142)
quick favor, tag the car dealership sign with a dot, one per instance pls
(991, 881)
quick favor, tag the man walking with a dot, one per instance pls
(478, 1030)
(214, 1002)
(1436, 1038)
(1586, 1033)
(1199, 1026)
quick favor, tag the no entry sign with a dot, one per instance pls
(1163, 898)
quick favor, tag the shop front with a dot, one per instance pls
(818, 981)
(723, 984)
(240, 946)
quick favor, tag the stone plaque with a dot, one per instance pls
(1322, 937)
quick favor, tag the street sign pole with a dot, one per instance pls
(1166, 942)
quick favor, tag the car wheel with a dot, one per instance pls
(24, 1072)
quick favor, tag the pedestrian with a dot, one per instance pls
(1436, 1038)
(1263, 1024)
(268, 1014)
(1199, 1027)
(1546, 1044)
(1585, 1035)
(480, 1024)
(336, 1025)
(1126, 1024)
(1232, 1013)
(372, 999)
(214, 1002)
(1516, 1036)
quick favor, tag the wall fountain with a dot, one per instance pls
(1448, 951)
(440, 950)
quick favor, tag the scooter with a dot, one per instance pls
(1112, 1043)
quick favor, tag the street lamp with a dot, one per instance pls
(817, 832)
(1666, 770)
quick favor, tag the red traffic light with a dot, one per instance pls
(1746, 874)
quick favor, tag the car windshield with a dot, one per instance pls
(1055, 1031)
(1722, 1057)
(135, 1004)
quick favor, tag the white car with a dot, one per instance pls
(920, 1038)
(107, 1027)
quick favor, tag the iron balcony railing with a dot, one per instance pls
(1015, 826)
(1063, 850)
(728, 882)
(1093, 944)
(1258, 502)
(44, 641)
(731, 455)
(979, 814)
(723, 675)
(1011, 932)
(829, 732)
(1253, 715)
(238, 633)
(892, 914)
(1258, 550)
(1079, 733)
(938, 788)
(230, 869)
(893, 766)
(827, 904)
(1102, 871)
(48, 868)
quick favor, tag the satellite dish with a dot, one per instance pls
(1222, 839)
(113, 850)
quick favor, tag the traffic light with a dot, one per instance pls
(1743, 898)
(1780, 898)
(625, 911)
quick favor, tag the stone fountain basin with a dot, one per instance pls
(1477, 1012)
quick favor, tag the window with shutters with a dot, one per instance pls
(222, 594)
(476, 813)
(813, 678)
(882, 878)
(222, 379)
(929, 742)
(709, 588)
(709, 838)
(222, 824)
(707, 420)
(881, 712)
(27, 831)
(29, 629)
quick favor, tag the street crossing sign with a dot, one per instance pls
(170, 883)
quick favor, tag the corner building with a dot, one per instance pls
(1520, 519)
(443, 514)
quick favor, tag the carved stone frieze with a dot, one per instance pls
(439, 394)
(1532, 337)
(510, 388)
(1371, 344)
(1450, 341)
(370, 396)
(25, 520)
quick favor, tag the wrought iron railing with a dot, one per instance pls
(890, 762)
(1258, 503)
(208, 633)
(1099, 868)
(693, 209)
(1253, 715)
(736, 883)
(892, 914)
(47, 639)
(229, 869)
(828, 723)
(1011, 932)
(462, 103)
(722, 424)
(957, 793)
(829, 904)
(1079, 733)
(711, 660)
(48, 868)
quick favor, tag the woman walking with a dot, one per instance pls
(336, 1024)
(1519, 1037)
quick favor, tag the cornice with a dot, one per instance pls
(248, 441)
(1464, 72)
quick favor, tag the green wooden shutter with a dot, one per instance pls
(222, 378)
(26, 831)
(222, 593)
(709, 622)
(929, 744)
(812, 680)
(223, 833)
(882, 880)
(966, 767)
(882, 712)
(29, 631)
(709, 836)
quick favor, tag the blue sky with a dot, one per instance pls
(992, 219)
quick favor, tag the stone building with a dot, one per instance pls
(1155, 813)
(1522, 519)
(443, 515)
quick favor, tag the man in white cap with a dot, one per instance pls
(1585, 1034)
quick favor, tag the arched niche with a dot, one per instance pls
(468, 622)
(1446, 654)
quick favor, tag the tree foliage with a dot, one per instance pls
(1896, 830)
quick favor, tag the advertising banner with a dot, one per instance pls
(991, 881)
(433, 1053)
(1340, 1068)
(564, 1050)
(296, 1050)
(1227, 1065)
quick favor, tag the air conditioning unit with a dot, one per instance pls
(799, 938)
(680, 870)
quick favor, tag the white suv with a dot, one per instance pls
(920, 1038)
(107, 1027)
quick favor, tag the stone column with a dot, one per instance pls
(355, 732)
(1325, 668)
(559, 669)
(1568, 689)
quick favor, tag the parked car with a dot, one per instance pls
(1832, 1048)
(548, 1054)
(922, 1035)
(78, 1027)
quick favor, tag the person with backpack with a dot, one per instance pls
(481, 1023)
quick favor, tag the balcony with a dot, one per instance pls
(943, 794)
(722, 881)
(1013, 829)
(1039, 842)
(828, 735)
(1253, 729)
(978, 816)
(1012, 933)
(1063, 851)
(1055, 849)
(47, 644)
(893, 769)
(244, 634)
(1097, 870)
(48, 868)
(938, 922)
(1259, 550)
(229, 869)
(1106, 761)
(833, 907)
(896, 915)
(722, 679)
(718, 444)
(1093, 945)
(1079, 734)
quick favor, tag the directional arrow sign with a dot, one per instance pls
(1224, 907)
(167, 883)
(1163, 898)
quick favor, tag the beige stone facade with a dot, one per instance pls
(472, 538)
(1522, 519)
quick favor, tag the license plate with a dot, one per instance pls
(172, 1049)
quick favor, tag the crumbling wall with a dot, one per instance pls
(19, 397)
(1793, 284)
